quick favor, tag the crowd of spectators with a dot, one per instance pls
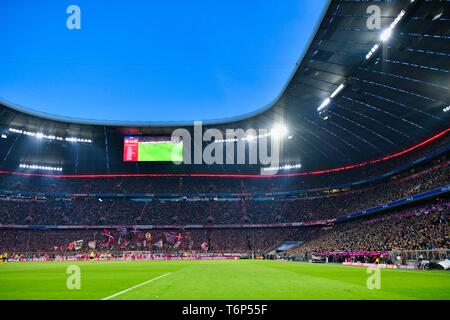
(119, 211)
(250, 241)
(420, 228)
(424, 227)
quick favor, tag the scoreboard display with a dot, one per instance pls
(140, 148)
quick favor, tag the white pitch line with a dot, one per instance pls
(136, 286)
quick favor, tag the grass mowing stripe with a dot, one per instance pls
(136, 286)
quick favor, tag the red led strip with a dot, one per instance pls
(231, 175)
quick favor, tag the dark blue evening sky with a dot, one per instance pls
(152, 60)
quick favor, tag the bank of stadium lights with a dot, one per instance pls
(247, 138)
(386, 34)
(73, 139)
(39, 167)
(338, 89)
(446, 109)
(324, 103)
(277, 132)
(285, 167)
(327, 101)
(37, 135)
(40, 135)
(372, 51)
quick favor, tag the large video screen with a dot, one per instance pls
(140, 148)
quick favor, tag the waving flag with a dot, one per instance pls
(111, 240)
(177, 244)
(173, 237)
(75, 245)
(204, 246)
(124, 244)
(78, 244)
(139, 237)
(158, 244)
(92, 244)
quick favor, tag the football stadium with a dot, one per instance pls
(337, 189)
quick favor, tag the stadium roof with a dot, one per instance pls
(385, 101)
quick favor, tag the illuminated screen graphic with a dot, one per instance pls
(152, 149)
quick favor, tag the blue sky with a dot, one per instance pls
(151, 60)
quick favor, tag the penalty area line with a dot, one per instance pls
(136, 286)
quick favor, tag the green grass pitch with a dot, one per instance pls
(170, 151)
(223, 280)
